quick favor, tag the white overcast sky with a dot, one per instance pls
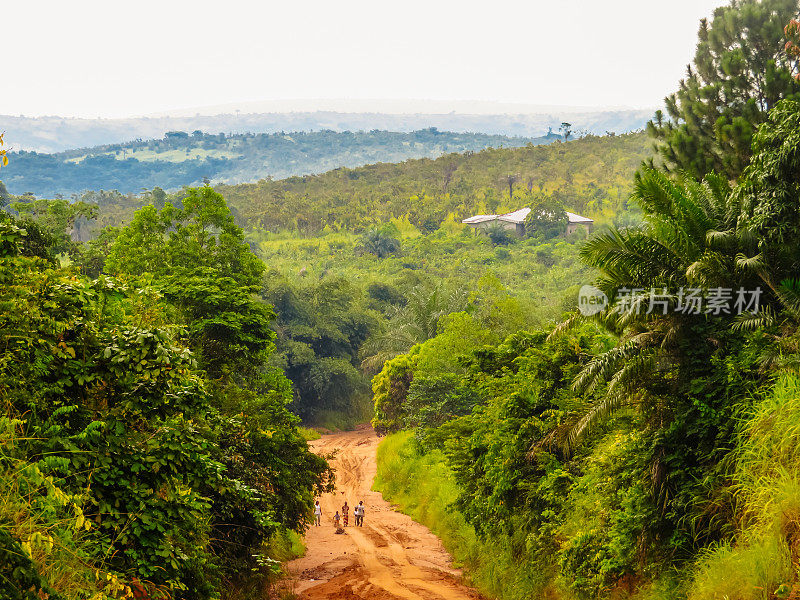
(116, 58)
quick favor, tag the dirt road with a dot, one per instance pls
(390, 557)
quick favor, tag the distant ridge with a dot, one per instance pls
(181, 158)
(56, 134)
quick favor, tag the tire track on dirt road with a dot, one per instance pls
(391, 557)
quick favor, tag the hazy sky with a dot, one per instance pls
(115, 58)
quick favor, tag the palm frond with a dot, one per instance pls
(789, 296)
(602, 367)
(623, 390)
(766, 317)
(721, 239)
(597, 413)
(565, 326)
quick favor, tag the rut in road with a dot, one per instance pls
(390, 557)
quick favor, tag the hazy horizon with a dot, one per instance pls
(378, 106)
(123, 60)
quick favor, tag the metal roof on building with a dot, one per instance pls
(518, 217)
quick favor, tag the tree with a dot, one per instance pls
(200, 234)
(58, 218)
(320, 331)
(768, 230)
(115, 414)
(679, 367)
(672, 250)
(413, 322)
(381, 241)
(741, 70)
(566, 130)
(510, 180)
(499, 235)
(547, 219)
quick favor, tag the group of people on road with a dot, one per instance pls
(344, 518)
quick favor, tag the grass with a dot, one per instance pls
(423, 487)
(276, 583)
(309, 434)
(751, 571)
(47, 524)
(768, 486)
(286, 545)
(331, 420)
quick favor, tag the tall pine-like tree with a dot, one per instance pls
(741, 69)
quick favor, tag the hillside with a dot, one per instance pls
(181, 159)
(591, 175)
(56, 134)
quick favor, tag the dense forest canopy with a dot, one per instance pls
(180, 158)
(590, 175)
(51, 134)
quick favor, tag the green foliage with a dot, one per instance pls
(760, 563)
(768, 195)
(649, 457)
(380, 241)
(309, 434)
(671, 251)
(423, 486)
(180, 160)
(757, 571)
(199, 233)
(178, 481)
(22, 580)
(390, 389)
(741, 70)
(55, 222)
(547, 219)
(321, 329)
(499, 235)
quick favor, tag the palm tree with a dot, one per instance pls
(379, 242)
(414, 322)
(683, 243)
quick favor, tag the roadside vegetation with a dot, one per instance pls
(165, 357)
(145, 445)
(637, 453)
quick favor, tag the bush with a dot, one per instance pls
(499, 235)
(424, 488)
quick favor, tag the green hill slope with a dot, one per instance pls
(181, 159)
(591, 175)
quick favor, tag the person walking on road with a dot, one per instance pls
(359, 513)
(345, 514)
(317, 514)
(336, 520)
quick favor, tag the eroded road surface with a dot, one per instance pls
(390, 557)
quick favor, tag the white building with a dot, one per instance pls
(576, 221)
(515, 221)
